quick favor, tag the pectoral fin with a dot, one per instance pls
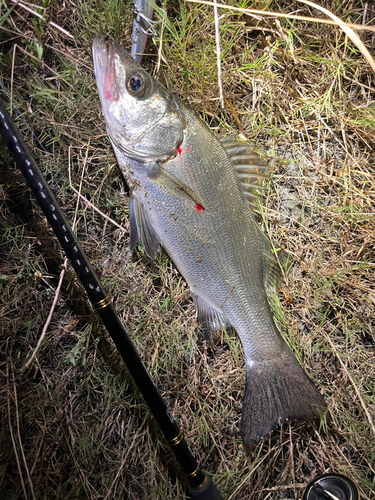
(141, 230)
(172, 185)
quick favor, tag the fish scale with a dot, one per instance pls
(186, 195)
(228, 266)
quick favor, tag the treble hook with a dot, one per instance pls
(148, 24)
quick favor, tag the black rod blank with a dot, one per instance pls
(200, 485)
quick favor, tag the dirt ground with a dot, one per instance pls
(73, 425)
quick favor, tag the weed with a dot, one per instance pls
(73, 425)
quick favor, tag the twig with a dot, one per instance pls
(218, 54)
(49, 316)
(292, 471)
(20, 441)
(25, 7)
(353, 383)
(249, 475)
(235, 115)
(80, 185)
(347, 29)
(54, 25)
(120, 469)
(85, 200)
(364, 14)
(14, 442)
(89, 204)
(359, 27)
(28, 9)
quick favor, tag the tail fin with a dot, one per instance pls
(276, 391)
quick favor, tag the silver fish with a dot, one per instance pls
(189, 193)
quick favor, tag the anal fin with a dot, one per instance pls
(209, 317)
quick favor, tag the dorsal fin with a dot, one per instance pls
(272, 273)
(251, 169)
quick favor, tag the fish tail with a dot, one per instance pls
(276, 391)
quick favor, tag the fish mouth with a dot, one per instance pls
(105, 71)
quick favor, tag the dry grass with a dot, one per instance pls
(73, 425)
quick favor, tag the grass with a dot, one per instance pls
(73, 426)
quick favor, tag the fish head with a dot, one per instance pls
(144, 121)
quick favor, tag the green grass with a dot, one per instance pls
(304, 97)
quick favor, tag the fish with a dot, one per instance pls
(192, 194)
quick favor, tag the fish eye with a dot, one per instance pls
(136, 84)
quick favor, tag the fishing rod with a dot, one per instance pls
(200, 485)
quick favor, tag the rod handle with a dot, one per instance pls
(207, 491)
